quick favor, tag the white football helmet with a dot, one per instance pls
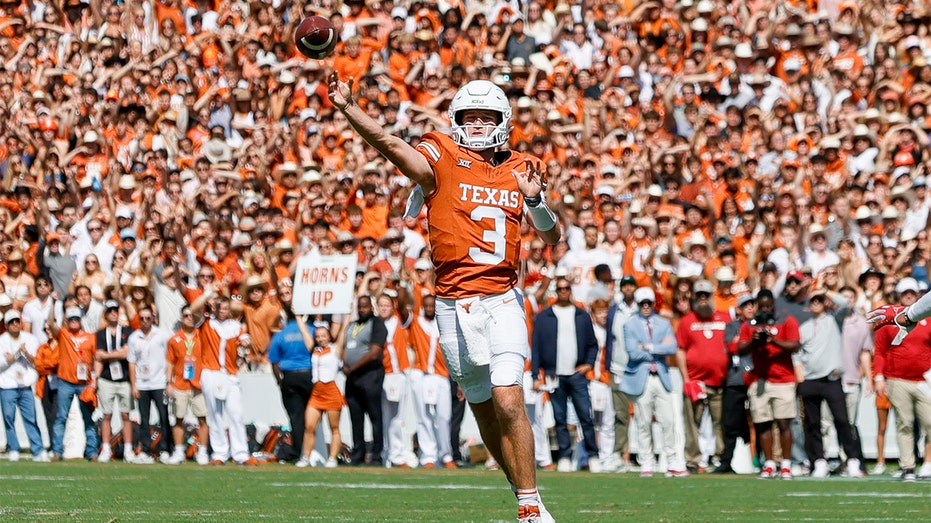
(480, 94)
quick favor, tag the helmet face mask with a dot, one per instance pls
(486, 96)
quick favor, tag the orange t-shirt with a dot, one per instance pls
(179, 350)
(76, 349)
(475, 217)
(211, 342)
(395, 358)
(425, 338)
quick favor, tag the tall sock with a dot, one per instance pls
(527, 497)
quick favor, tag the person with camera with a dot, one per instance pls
(821, 357)
(771, 339)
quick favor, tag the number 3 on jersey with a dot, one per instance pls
(493, 236)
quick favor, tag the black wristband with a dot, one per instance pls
(534, 201)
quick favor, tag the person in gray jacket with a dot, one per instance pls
(649, 338)
(821, 357)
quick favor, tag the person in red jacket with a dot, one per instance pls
(703, 362)
(901, 371)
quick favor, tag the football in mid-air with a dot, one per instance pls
(315, 37)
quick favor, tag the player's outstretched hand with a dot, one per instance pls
(890, 315)
(884, 315)
(340, 93)
(532, 180)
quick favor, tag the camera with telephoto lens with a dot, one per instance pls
(762, 321)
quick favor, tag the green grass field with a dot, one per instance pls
(79, 491)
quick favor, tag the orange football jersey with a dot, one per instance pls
(475, 215)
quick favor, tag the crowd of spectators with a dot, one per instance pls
(152, 150)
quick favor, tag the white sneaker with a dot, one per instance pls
(12, 455)
(821, 469)
(853, 468)
(202, 458)
(594, 466)
(564, 465)
(331, 463)
(545, 516)
(176, 458)
(164, 457)
(42, 457)
(302, 463)
(879, 469)
(316, 459)
(105, 455)
(925, 471)
(142, 459)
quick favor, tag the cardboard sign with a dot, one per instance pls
(324, 284)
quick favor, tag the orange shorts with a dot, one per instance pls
(326, 396)
(882, 402)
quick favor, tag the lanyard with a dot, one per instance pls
(111, 341)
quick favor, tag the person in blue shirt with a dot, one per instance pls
(290, 359)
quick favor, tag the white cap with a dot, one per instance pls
(904, 285)
(124, 212)
(644, 294)
(705, 6)
(127, 182)
(792, 64)
(863, 213)
(90, 136)
(561, 272)
(830, 143)
(626, 71)
(703, 286)
(655, 190)
(901, 170)
(423, 264)
(10, 316)
(73, 312)
(699, 24)
(604, 190)
(743, 50)
(725, 273)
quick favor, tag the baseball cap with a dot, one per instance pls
(795, 275)
(744, 299)
(127, 233)
(111, 304)
(644, 294)
(904, 285)
(124, 212)
(703, 286)
(73, 312)
(10, 316)
(627, 280)
(423, 264)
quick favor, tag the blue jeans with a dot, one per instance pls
(66, 392)
(22, 398)
(576, 388)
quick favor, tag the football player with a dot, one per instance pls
(476, 196)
